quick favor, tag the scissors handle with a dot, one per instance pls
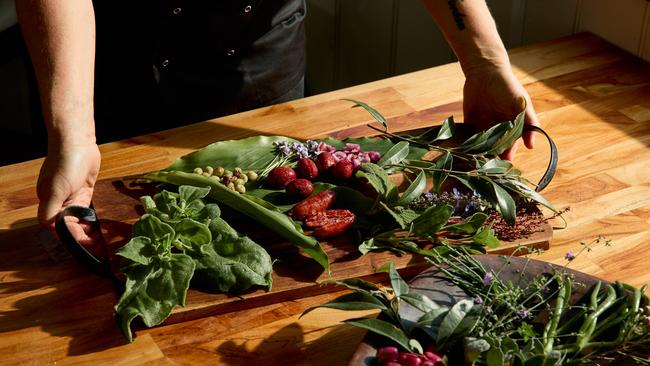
(552, 162)
(77, 250)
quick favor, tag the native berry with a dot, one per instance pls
(307, 169)
(343, 170)
(387, 354)
(325, 161)
(299, 188)
(281, 176)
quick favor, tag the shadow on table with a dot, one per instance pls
(288, 346)
(42, 289)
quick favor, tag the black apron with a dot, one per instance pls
(163, 64)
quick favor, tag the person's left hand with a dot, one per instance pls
(492, 94)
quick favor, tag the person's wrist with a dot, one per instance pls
(69, 135)
(490, 61)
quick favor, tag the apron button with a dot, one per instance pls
(176, 11)
(165, 63)
(248, 9)
(231, 52)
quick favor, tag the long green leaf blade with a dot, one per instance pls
(383, 328)
(373, 112)
(414, 190)
(272, 219)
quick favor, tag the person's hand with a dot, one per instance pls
(493, 94)
(67, 177)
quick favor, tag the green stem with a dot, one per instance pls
(562, 302)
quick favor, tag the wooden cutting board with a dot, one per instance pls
(294, 276)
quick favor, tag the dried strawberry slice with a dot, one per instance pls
(328, 217)
(330, 223)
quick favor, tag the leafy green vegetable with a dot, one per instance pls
(181, 238)
(253, 207)
(157, 279)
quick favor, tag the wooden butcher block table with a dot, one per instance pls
(592, 98)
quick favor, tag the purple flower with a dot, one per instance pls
(340, 155)
(374, 156)
(364, 158)
(300, 150)
(487, 280)
(478, 300)
(312, 146)
(569, 256)
(429, 196)
(285, 150)
(455, 192)
(522, 313)
(323, 147)
(352, 148)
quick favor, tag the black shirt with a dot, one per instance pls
(162, 64)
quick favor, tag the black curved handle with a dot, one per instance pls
(77, 250)
(552, 162)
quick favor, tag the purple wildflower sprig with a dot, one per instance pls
(464, 204)
(570, 256)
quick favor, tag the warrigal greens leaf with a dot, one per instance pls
(272, 219)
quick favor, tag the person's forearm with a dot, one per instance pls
(471, 32)
(60, 37)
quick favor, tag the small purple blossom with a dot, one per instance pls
(429, 196)
(312, 146)
(374, 156)
(569, 256)
(487, 280)
(455, 192)
(352, 148)
(364, 157)
(339, 155)
(324, 147)
(478, 300)
(300, 150)
(285, 150)
(522, 313)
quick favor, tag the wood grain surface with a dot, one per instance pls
(593, 98)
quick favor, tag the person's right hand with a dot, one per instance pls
(67, 177)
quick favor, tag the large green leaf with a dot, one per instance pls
(443, 165)
(510, 136)
(353, 301)
(403, 216)
(373, 112)
(357, 284)
(379, 180)
(485, 140)
(414, 190)
(451, 322)
(153, 291)
(383, 328)
(431, 220)
(397, 283)
(232, 264)
(419, 301)
(469, 225)
(252, 153)
(395, 155)
(523, 190)
(496, 166)
(273, 219)
(506, 205)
